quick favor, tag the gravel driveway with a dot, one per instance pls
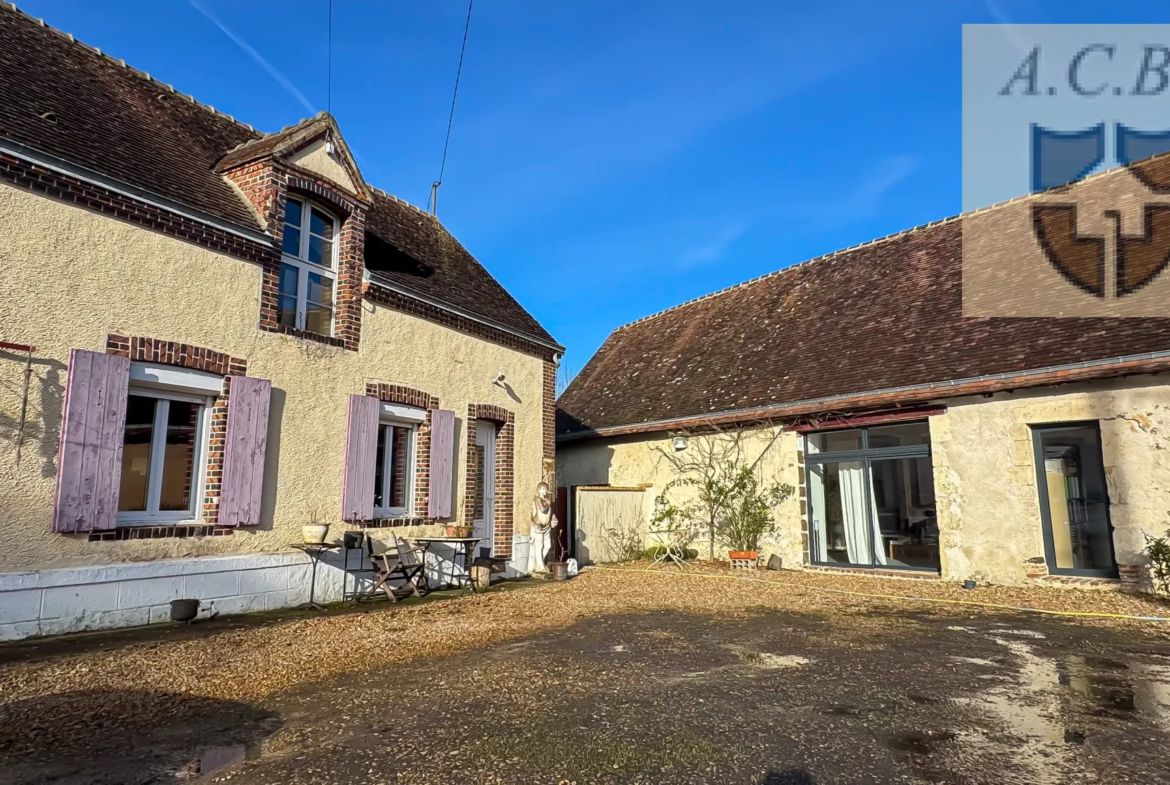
(612, 678)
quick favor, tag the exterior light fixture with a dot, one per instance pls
(680, 443)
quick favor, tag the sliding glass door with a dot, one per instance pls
(1074, 500)
(871, 497)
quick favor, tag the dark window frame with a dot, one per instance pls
(863, 456)
(1037, 430)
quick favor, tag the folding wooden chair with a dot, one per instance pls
(399, 561)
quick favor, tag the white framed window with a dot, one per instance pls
(308, 270)
(394, 472)
(163, 457)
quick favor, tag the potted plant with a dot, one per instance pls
(747, 517)
(455, 530)
(315, 531)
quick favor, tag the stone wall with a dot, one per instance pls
(985, 474)
(985, 477)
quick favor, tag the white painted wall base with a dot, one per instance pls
(517, 566)
(52, 602)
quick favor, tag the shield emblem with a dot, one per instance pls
(1135, 145)
(1063, 157)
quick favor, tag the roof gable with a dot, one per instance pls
(317, 158)
(305, 145)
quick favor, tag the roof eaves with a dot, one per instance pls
(779, 409)
(84, 174)
(374, 277)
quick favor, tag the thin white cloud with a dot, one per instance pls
(256, 57)
(866, 197)
(1013, 30)
(713, 251)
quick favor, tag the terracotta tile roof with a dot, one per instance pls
(419, 256)
(884, 315)
(63, 98)
(262, 146)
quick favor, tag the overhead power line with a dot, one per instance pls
(451, 118)
(329, 64)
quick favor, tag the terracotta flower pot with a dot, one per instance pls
(745, 555)
(458, 531)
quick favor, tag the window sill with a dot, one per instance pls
(328, 340)
(149, 532)
(1078, 582)
(876, 572)
(386, 523)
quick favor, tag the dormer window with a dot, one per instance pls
(308, 270)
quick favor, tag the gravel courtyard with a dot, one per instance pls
(614, 677)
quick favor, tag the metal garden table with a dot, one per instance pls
(314, 550)
(463, 547)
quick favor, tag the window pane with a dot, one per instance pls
(907, 530)
(379, 471)
(899, 435)
(286, 311)
(399, 477)
(288, 279)
(319, 319)
(479, 467)
(834, 441)
(320, 251)
(291, 242)
(1078, 499)
(292, 213)
(179, 457)
(841, 513)
(320, 289)
(136, 453)
(320, 223)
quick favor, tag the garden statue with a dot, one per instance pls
(544, 522)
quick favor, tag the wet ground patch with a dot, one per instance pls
(766, 697)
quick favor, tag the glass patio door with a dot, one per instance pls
(871, 497)
(1074, 500)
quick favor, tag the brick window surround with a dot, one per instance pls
(505, 480)
(266, 184)
(409, 396)
(548, 402)
(195, 358)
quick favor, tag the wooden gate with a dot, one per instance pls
(608, 522)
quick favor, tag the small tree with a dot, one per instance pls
(717, 490)
(748, 515)
(1158, 552)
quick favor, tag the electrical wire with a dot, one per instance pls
(329, 64)
(894, 596)
(454, 95)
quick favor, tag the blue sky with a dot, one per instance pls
(609, 159)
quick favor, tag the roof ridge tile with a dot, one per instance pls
(118, 61)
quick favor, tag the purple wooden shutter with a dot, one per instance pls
(442, 463)
(361, 455)
(245, 442)
(89, 458)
